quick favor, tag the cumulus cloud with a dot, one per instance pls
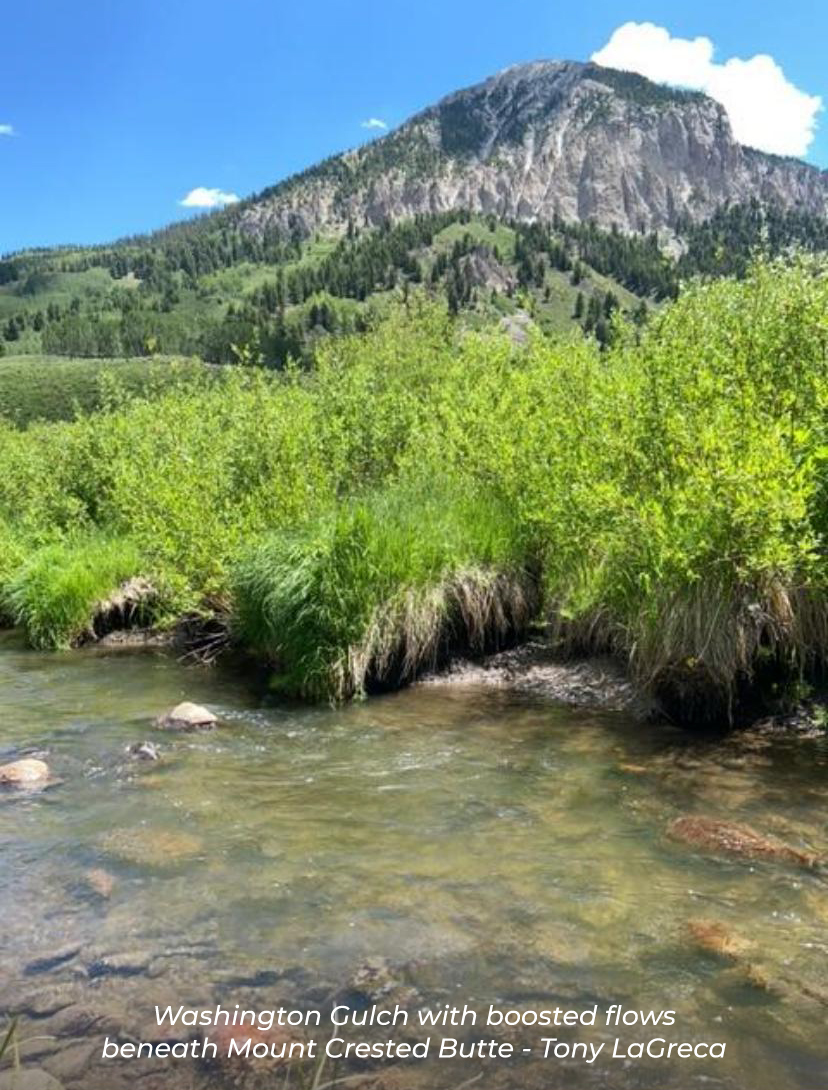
(6, 130)
(766, 110)
(374, 123)
(202, 197)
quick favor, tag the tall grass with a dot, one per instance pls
(384, 588)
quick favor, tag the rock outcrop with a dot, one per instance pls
(539, 140)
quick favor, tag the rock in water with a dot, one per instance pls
(31, 1078)
(715, 938)
(156, 848)
(28, 772)
(100, 881)
(144, 751)
(188, 716)
(275, 1048)
(715, 835)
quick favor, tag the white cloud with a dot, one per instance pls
(202, 197)
(6, 130)
(374, 123)
(766, 110)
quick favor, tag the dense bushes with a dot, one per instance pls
(666, 499)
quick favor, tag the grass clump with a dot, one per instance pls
(384, 588)
(54, 595)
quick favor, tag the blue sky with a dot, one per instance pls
(118, 110)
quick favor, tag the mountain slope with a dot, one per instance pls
(557, 190)
(538, 140)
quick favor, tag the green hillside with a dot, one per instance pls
(205, 289)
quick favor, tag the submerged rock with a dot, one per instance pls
(54, 959)
(144, 751)
(716, 835)
(188, 717)
(276, 1048)
(375, 981)
(715, 938)
(132, 963)
(156, 848)
(99, 881)
(28, 772)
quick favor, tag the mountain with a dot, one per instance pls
(555, 191)
(552, 138)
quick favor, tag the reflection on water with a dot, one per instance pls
(492, 847)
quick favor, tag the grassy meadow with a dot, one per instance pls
(38, 388)
(421, 489)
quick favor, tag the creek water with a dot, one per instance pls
(494, 848)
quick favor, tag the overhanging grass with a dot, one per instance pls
(383, 588)
(54, 595)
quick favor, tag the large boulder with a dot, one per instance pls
(188, 717)
(28, 772)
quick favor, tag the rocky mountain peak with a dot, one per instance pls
(542, 139)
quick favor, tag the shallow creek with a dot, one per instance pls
(491, 847)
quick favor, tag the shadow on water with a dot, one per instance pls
(489, 846)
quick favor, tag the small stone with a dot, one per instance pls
(715, 938)
(277, 1042)
(28, 772)
(100, 881)
(53, 960)
(144, 751)
(125, 964)
(375, 981)
(188, 717)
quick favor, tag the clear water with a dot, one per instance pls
(493, 847)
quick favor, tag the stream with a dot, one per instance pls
(454, 843)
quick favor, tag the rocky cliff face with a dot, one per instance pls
(536, 140)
